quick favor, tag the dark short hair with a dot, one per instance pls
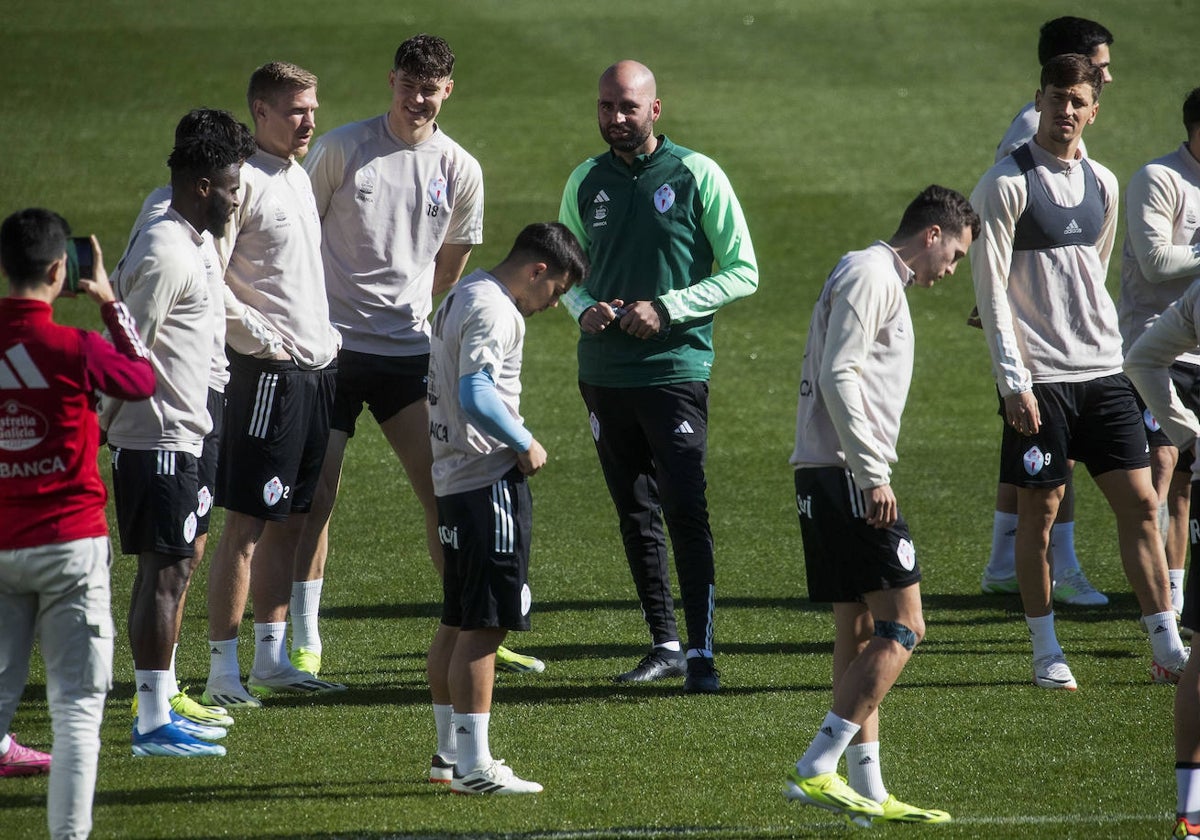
(1191, 111)
(277, 79)
(941, 206)
(216, 122)
(203, 156)
(425, 57)
(1064, 71)
(1070, 35)
(30, 240)
(555, 245)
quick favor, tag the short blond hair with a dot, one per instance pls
(277, 79)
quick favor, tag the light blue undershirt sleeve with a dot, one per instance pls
(478, 397)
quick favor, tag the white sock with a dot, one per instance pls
(1003, 562)
(827, 746)
(1062, 550)
(154, 703)
(1176, 577)
(5, 744)
(471, 735)
(223, 661)
(1187, 793)
(1164, 637)
(306, 602)
(270, 649)
(675, 646)
(173, 681)
(863, 771)
(1045, 640)
(447, 743)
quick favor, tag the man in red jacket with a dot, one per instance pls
(54, 549)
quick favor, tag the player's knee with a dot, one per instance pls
(903, 635)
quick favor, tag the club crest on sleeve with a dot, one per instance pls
(189, 527)
(1151, 424)
(906, 553)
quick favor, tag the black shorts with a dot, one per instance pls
(1186, 379)
(1096, 422)
(275, 432)
(485, 540)
(385, 383)
(1191, 589)
(155, 493)
(206, 468)
(844, 557)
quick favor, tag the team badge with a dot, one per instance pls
(204, 501)
(664, 198)
(273, 492)
(364, 183)
(601, 213)
(906, 554)
(526, 599)
(1150, 422)
(189, 528)
(1034, 460)
(595, 424)
(437, 190)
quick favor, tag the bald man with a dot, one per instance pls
(655, 218)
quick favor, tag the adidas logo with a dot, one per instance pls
(866, 760)
(1072, 229)
(144, 687)
(827, 731)
(270, 637)
(214, 651)
(684, 428)
(1162, 628)
(462, 730)
(600, 198)
(17, 370)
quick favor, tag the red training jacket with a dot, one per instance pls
(50, 487)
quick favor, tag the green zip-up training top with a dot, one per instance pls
(654, 230)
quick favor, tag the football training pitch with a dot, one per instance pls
(828, 118)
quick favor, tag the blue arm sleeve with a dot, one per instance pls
(478, 397)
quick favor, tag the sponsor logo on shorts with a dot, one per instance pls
(272, 492)
(1151, 423)
(1035, 460)
(189, 527)
(906, 554)
(204, 500)
(594, 421)
(448, 536)
(664, 198)
(804, 506)
(526, 599)
(21, 427)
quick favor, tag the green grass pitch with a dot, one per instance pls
(828, 117)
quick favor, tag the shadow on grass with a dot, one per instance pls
(824, 829)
